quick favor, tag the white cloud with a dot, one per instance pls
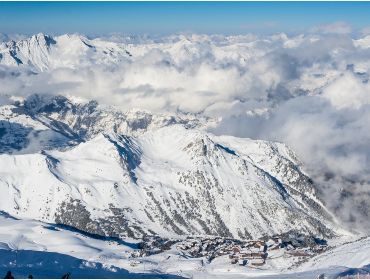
(348, 91)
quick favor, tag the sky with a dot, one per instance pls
(98, 18)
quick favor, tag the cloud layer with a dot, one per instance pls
(309, 91)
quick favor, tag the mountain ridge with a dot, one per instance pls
(42, 52)
(151, 176)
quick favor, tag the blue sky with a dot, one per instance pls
(97, 18)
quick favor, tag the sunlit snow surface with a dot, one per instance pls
(49, 251)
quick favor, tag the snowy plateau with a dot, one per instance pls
(111, 190)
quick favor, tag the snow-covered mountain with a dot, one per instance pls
(135, 174)
(100, 179)
(42, 52)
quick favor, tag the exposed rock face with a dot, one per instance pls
(74, 213)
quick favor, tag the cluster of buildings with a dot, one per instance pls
(206, 247)
(240, 252)
(254, 254)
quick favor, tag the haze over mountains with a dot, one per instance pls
(188, 135)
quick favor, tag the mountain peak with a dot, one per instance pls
(144, 165)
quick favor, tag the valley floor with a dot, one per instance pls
(49, 251)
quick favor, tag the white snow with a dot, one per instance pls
(49, 251)
(164, 163)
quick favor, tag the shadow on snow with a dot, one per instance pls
(53, 265)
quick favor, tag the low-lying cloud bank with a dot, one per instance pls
(309, 91)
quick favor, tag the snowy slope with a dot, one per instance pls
(133, 174)
(352, 254)
(49, 251)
